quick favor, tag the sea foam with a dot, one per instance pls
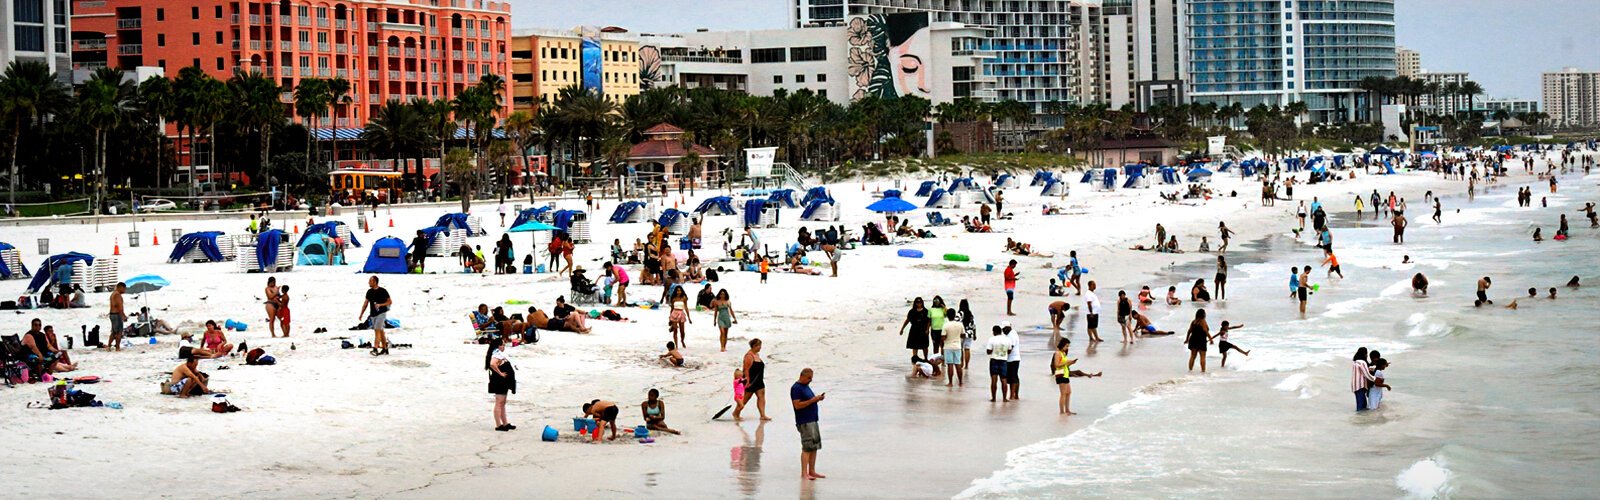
(1427, 478)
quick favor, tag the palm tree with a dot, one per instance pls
(396, 130)
(1471, 89)
(210, 106)
(339, 97)
(156, 99)
(28, 92)
(458, 166)
(435, 117)
(258, 106)
(310, 102)
(104, 101)
(615, 151)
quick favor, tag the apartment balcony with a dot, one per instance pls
(437, 77)
(372, 26)
(305, 71)
(455, 31)
(411, 76)
(459, 78)
(340, 48)
(255, 19)
(322, 22)
(472, 32)
(286, 96)
(89, 65)
(255, 45)
(433, 30)
(324, 72)
(394, 75)
(372, 51)
(285, 45)
(345, 122)
(411, 52)
(95, 44)
(433, 53)
(394, 51)
(372, 74)
(130, 24)
(341, 23)
(342, 73)
(305, 46)
(324, 46)
(284, 21)
(455, 54)
(303, 21)
(500, 57)
(234, 45)
(130, 49)
(472, 55)
(285, 71)
(233, 18)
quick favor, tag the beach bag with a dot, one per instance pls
(611, 315)
(8, 305)
(59, 397)
(253, 357)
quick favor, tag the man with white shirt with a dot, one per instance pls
(1091, 304)
(1013, 359)
(999, 349)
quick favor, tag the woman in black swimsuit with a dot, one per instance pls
(919, 321)
(755, 385)
(1199, 335)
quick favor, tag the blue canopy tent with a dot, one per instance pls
(459, 221)
(1088, 177)
(1169, 175)
(1040, 177)
(1198, 174)
(1291, 164)
(939, 198)
(815, 193)
(1225, 166)
(330, 228)
(528, 214)
(562, 219)
(1109, 179)
(716, 205)
(926, 188)
(1135, 174)
(1004, 180)
(670, 217)
(267, 244)
(814, 205)
(891, 193)
(783, 198)
(1053, 187)
(47, 269)
(1385, 151)
(1338, 161)
(752, 211)
(962, 184)
(624, 211)
(6, 271)
(388, 256)
(317, 249)
(206, 241)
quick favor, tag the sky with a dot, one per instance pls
(1504, 44)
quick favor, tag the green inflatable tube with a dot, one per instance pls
(956, 257)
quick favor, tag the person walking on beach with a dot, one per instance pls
(1294, 281)
(954, 335)
(1222, 278)
(377, 302)
(678, 319)
(723, 307)
(1061, 366)
(1360, 378)
(917, 318)
(502, 380)
(419, 252)
(1199, 335)
(1332, 263)
(969, 324)
(1304, 292)
(998, 348)
(755, 382)
(1075, 277)
(272, 305)
(1225, 233)
(1091, 306)
(1223, 345)
(620, 277)
(806, 420)
(117, 316)
(1010, 282)
(936, 325)
(1124, 316)
(1399, 223)
(1436, 211)
(1358, 207)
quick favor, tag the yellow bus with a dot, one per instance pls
(349, 186)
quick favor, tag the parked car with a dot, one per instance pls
(157, 205)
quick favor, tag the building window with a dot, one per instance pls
(194, 39)
(161, 14)
(799, 78)
(219, 38)
(822, 93)
(822, 77)
(801, 54)
(162, 63)
(219, 64)
(195, 62)
(777, 79)
(767, 55)
(161, 39)
(219, 12)
(194, 12)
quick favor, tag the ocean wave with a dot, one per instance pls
(1428, 478)
(1299, 382)
(1421, 326)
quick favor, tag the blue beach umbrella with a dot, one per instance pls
(891, 205)
(532, 225)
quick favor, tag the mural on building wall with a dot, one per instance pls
(592, 59)
(890, 55)
(649, 66)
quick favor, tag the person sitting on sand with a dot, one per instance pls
(481, 320)
(605, 414)
(1141, 324)
(1172, 245)
(1057, 290)
(215, 340)
(187, 380)
(510, 327)
(798, 268)
(926, 368)
(673, 357)
(1419, 285)
(156, 325)
(1172, 296)
(655, 412)
(1538, 234)
(1205, 246)
(1145, 298)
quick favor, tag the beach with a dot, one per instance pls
(332, 422)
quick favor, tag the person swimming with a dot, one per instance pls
(1573, 283)
(1419, 285)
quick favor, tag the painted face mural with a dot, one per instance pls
(889, 56)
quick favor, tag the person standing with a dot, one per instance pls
(620, 277)
(1000, 203)
(755, 381)
(1304, 291)
(1061, 366)
(1124, 315)
(272, 305)
(806, 421)
(998, 348)
(502, 379)
(1076, 278)
(1358, 207)
(419, 252)
(954, 335)
(723, 307)
(1091, 306)
(283, 309)
(1222, 278)
(917, 318)
(1436, 212)
(1360, 378)
(1399, 223)
(936, 317)
(969, 325)
(377, 301)
(1199, 335)
(1013, 359)
(1010, 285)
(1225, 233)
(117, 316)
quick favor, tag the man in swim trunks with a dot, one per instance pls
(1058, 312)
(1483, 291)
(1011, 285)
(1091, 305)
(186, 380)
(1141, 325)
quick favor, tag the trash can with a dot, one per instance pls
(133, 239)
(176, 233)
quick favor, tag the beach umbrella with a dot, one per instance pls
(532, 225)
(891, 205)
(144, 283)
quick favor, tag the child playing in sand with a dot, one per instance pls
(1172, 296)
(673, 357)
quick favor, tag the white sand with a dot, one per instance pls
(327, 422)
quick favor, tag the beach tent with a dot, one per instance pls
(1291, 164)
(1040, 177)
(942, 199)
(47, 269)
(891, 193)
(716, 205)
(318, 250)
(981, 196)
(527, 214)
(204, 241)
(630, 211)
(1338, 161)
(815, 193)
(676, 221)
(1169, 175)
(1088, 177)
(758, 212)
(388, 256)
(1135, 175)
(963, 184)
(1108, 180)
(926, 188)
(1005, 181)
(268, 245)
(783, 198)
(1198, 174)
(331, 228)
(1054, 187)
(821, 209)
(11, 262)
(462, 221)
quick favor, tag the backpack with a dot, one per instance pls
(254, 356)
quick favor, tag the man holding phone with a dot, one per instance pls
(805, 419)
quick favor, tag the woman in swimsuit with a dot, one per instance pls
(655, 412)
(725, 316)
(755, 385)
(679, 316)
(502, 379)
(272, 306)
(215, 341)
(1199, 335)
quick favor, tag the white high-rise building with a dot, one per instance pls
(1572, 97)
(37, 30)
(1408, 63)
(1043, 51)
(1144, 52)
(1256, 52)
(1444, 103)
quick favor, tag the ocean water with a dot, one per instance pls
(1487, 402)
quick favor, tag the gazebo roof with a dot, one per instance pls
(663, 129)
(663, 143)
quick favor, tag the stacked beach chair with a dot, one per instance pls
(224, 246)
(13, 259)
(447, 243)
(474, 225)
(100, 277)
(579, 229)
(245, 254)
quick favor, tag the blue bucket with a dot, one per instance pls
(641, 432)
(549, 434)
(988, 267)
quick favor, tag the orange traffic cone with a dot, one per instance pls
(155, 240)
(366, 227)
(296, 228)
(116, 247)
(391, 222)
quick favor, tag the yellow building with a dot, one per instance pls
(546, 61)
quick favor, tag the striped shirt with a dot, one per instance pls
(1360, 376)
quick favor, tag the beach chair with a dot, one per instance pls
(938, 219)
(486, 329)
